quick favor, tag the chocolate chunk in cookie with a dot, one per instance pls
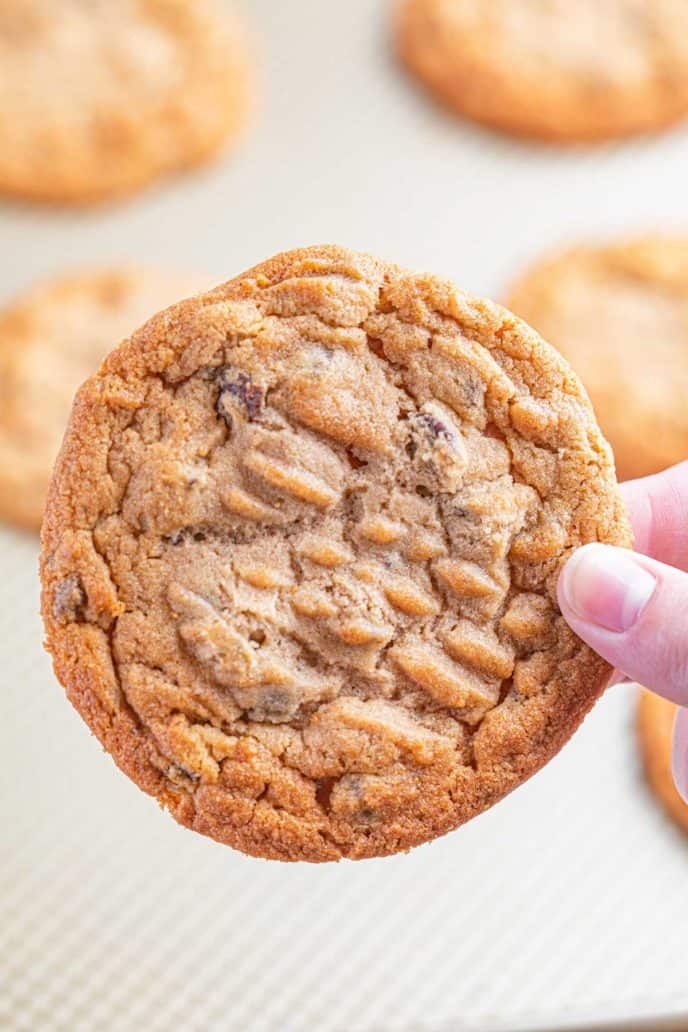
(239, 387)
(69, 600)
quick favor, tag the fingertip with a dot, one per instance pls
(630, 609)
(605, 587)
(567, 582)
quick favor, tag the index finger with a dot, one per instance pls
(658, 510)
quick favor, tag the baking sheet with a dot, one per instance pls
(565, 906)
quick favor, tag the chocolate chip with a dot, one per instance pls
(241, 387)
(435, 426)
(437, 450)
(354, 461)
(69, 600)
(428, 429)
(355, 787)
(176, 770)
(179, 537)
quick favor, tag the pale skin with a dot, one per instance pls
(632, 607)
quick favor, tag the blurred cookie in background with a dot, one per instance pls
(552, 69)
(52, 338)
(100, 97)
(619, 314)
(655, 736)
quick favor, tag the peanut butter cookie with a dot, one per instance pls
(300, 555)
(655, 736)
(552, 69)
(619, 314)
(51, 339)
(99, 97)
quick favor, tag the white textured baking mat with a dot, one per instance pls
(564, 907)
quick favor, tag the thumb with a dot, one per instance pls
(633, 610)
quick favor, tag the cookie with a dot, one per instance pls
(655, 722)
(51, 339)
(551, 69)
(300, 554)
(619, 314)
(100, 97)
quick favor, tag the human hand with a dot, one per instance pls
(632, 607)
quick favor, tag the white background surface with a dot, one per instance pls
(570, 899)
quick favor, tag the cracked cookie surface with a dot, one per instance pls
(52, 337)
(655, 725)
(619, 313)
(552, 69)
(300, 554)
(100, 97)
